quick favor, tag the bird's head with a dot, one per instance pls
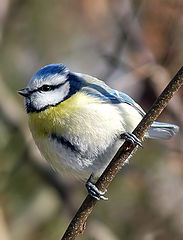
(49, 86)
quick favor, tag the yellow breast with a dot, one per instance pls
(55, 119)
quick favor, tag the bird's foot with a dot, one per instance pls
(94, 191)
(130, 137)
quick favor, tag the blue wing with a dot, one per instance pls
(106, 94)
(98, 88)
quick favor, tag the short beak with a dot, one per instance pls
(24, 92)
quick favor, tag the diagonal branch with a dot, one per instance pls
(78, 223)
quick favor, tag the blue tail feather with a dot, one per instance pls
(160, 130)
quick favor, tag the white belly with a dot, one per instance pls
(95, 133)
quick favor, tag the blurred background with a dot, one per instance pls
(134, 46)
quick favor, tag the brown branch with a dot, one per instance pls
(78, 223)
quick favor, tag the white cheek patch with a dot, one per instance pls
(42, 99)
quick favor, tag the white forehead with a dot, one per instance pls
(52, 74)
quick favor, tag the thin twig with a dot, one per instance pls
(78, 223)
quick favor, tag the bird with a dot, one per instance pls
(79, 123)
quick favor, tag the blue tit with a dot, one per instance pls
(79, 123)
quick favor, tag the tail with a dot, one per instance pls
(160, 130)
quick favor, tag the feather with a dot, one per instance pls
(161, 130)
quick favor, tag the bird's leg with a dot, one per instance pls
(93, 190)
(131, 138)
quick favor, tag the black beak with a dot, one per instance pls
(24, 92)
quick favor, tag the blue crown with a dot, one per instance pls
(51, 69)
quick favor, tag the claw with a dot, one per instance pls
(131, 138)
(94, 191)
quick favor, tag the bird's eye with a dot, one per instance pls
(45, 88)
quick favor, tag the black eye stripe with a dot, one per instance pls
(45, 88)
(51, 87)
